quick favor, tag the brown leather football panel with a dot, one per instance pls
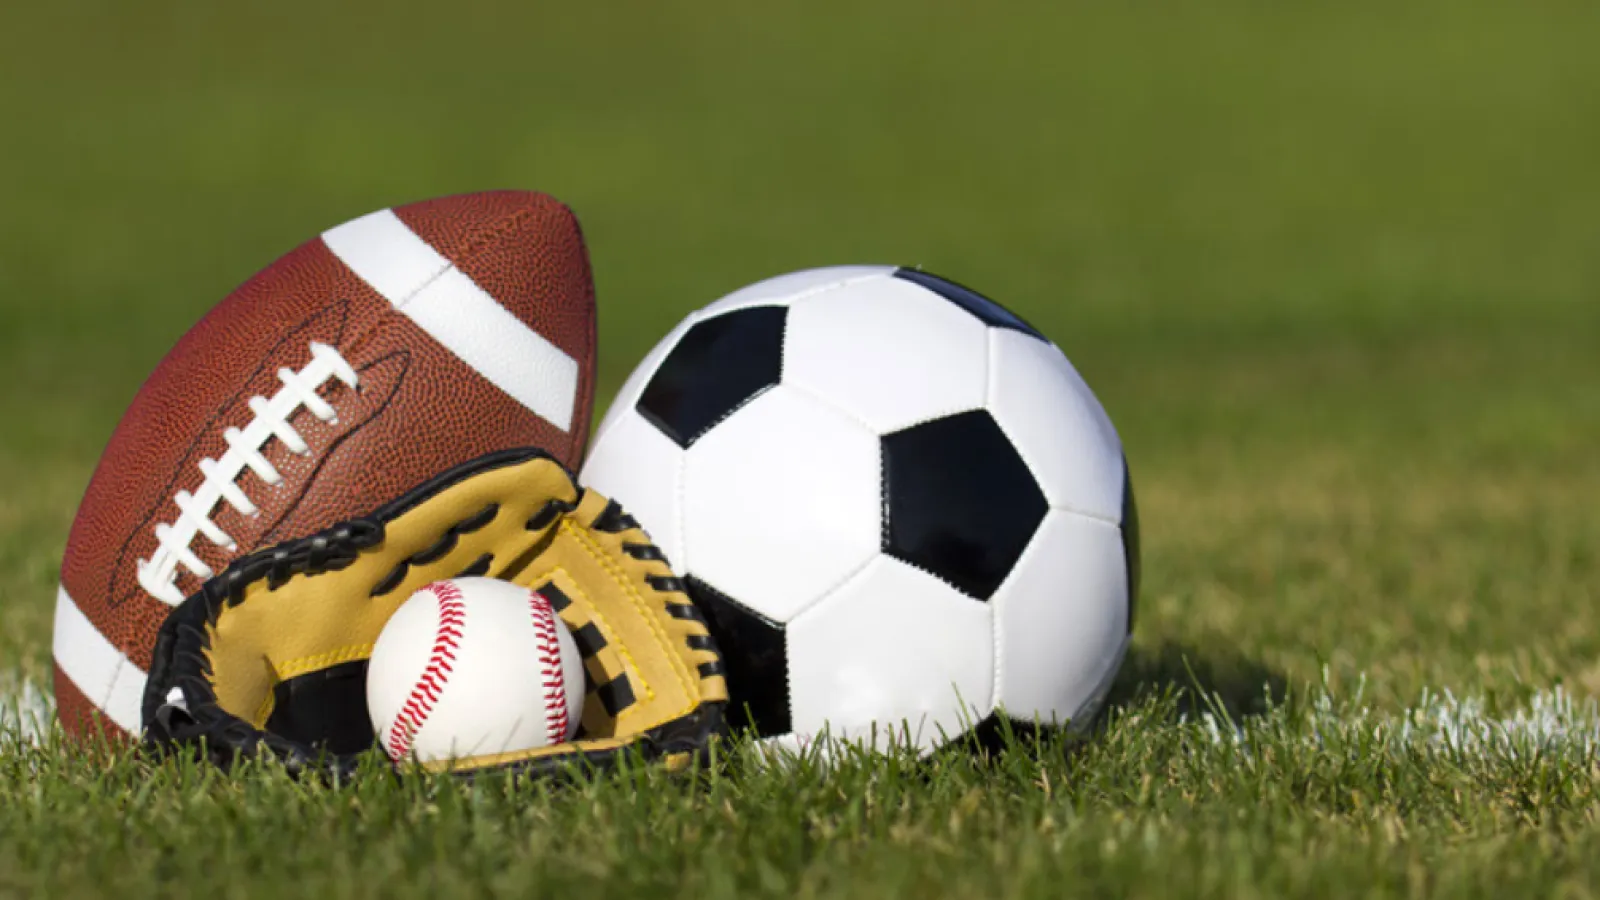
(396, 452)
(377, 448)
(179, 416)
(526, 250)
(378, 383)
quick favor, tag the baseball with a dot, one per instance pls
(473, 667)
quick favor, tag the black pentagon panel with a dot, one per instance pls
(958, 501)
(756, 654)
(992, 313)
(718, 366)
(1130, 541)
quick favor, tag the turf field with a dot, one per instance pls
(1331, 266)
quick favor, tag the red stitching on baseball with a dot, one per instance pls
(551, 674)
(441, 659)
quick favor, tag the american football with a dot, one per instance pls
(370, 358)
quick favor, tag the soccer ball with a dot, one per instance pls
(899, 506)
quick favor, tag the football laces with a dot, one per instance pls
(270, 420)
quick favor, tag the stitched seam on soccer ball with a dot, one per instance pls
(425, 693)
(174, 540)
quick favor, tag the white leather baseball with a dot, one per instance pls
(471, 667)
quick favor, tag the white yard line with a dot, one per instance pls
(1440, 721)
(1549, 719)
(26, 710)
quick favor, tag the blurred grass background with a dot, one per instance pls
(1331, 266)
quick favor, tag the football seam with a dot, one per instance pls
(213, 426)
(489, 235)
(216, 424)
(271, 534)
(584, 409)
(583, 405)
(107, 620)
(391, 313)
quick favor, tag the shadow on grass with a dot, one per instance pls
(1199, 679)
(1174, 678)
(1195, 681)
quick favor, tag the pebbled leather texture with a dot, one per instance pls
(417, 410)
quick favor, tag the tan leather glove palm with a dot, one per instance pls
(271, 654)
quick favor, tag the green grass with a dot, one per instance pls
(1154, 806)
(1330, 266)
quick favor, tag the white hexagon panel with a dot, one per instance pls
(894, 652)
(622, 405)
(1056, 423)
(786, 289)
(781, 502)
(642, 469)
(1061, 620)
(888, 351)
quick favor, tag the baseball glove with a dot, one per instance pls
(270, 656)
